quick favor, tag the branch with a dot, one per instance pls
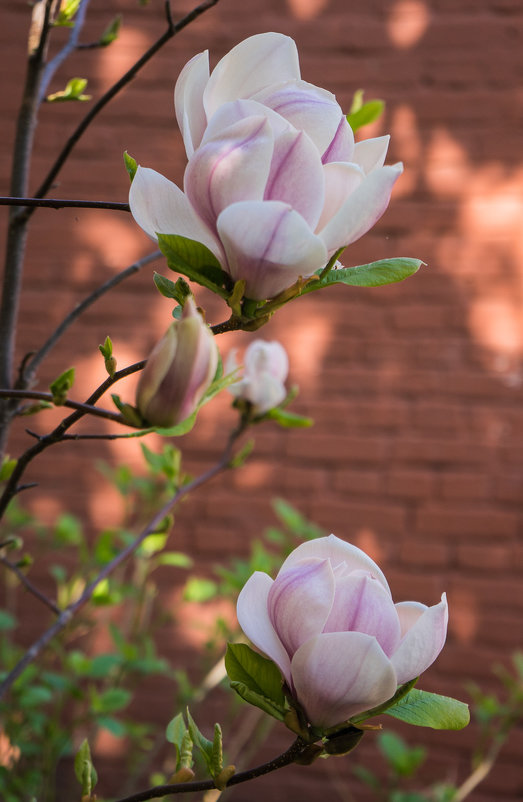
(29, 370)
(172, 30)
(67, 614)
(58, 203)
(29, 585)
(87, 409)
(69, 48)
(55, 436)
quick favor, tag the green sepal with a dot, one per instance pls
(235, 298)
(289, 420)
(129, 413)
(194, 260)
(256, 679)
(179, 290)
(130, 165)
(73, 91)
(61, 386)
(111, 32)
(374, 274)
(424, 709)
(84, 770)
(205, 746)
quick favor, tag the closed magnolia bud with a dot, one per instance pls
(179, 370)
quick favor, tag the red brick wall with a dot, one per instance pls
(416, 389)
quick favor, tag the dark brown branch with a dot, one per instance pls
(62, 203)
(67, 614)
(172, 30)
(285, 759)
(87, 409)
(28, 585)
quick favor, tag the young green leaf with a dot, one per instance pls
(176, 733)
(60, 386)
(367, 113)
(217, 751)
(204, 745)
(179, 290)
(73, 91)
(194, 260)
(289, 420)
(374, 274)
(84, 770)
(130, 165)
(111, 32)
(425, 709)
(258, 700)
(260, 676)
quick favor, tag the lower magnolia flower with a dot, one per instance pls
(264, 372)
(179, 370)
(328, 621)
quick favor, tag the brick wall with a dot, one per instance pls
(416, 389)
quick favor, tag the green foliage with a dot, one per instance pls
(84, 770)
(362, 113)
(404, 760)
(374, 274)
(74, 90)
(130, 165)
(179, 290)
(66, 13)
(61, 386)
(430, 710)
(106, 351)
(194, 260)
(111, 32)
(256, 679)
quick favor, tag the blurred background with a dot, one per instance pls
(416, 454)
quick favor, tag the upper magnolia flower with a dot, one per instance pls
(328, 621)
(179, 370)
(265, 369)
(274, 184)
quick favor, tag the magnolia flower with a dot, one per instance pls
(264, 372)
(274, 185)
(179, 370)
(328, 621)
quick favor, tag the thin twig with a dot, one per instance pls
(29, 585)
(66, 51)
(33, 363)
(62, 203)
(285, 759)
(172, 30)
(67, 614)
(87, 409)
(12, 486)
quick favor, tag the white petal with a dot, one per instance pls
(307, 107)
(258, 61)
(296, 176)
(267, 356)
(300, 601)
(370, 153)
(269, 245)
(423, 641)
(362, 209)
(236, 110)
(362, 604)
(188, 100)
(253, 617)
(160, 207)
(339, 674)
(229, 168)
(338, 552)
(341, 180)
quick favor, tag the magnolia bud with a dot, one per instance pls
(179, 370)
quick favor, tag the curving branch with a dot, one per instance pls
(28, 585)
(62, 203)
(66, 51)
(67, 614)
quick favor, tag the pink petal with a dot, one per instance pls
(341, 148)
(362, 209)
(362, 604)
(188, 100)
(300, 601)
(270, 357)
(269, 245)
(339, 674)
(370, 153)
(340, 553)
(341, 180)
(160, 207)
(253, 617)
(296, 176)
(229, 168)
(258, 61)
(423, 641)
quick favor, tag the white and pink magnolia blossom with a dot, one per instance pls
(265, 368)
(328, 621)
(274, 185)
(179, 370)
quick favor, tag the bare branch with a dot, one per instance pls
(58, 203)
(28, 585)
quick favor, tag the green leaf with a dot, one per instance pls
(175, 558)
(68, 531)
(111, 32)
(257, 700)
(113, 725)
(111, 700)
(177, 734)
(194, 260)
(366, 114)
(425, 709)
(288, 420)
(179, 290)
(130, 165)
(7, 468)
(200, 590)
(68, 9)
(375, 274)
(204, 745)
(73, 91)
(102, 665)
(7, 621)
(259, 675)
(61, 386)
(402, 758)
(84, 770)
